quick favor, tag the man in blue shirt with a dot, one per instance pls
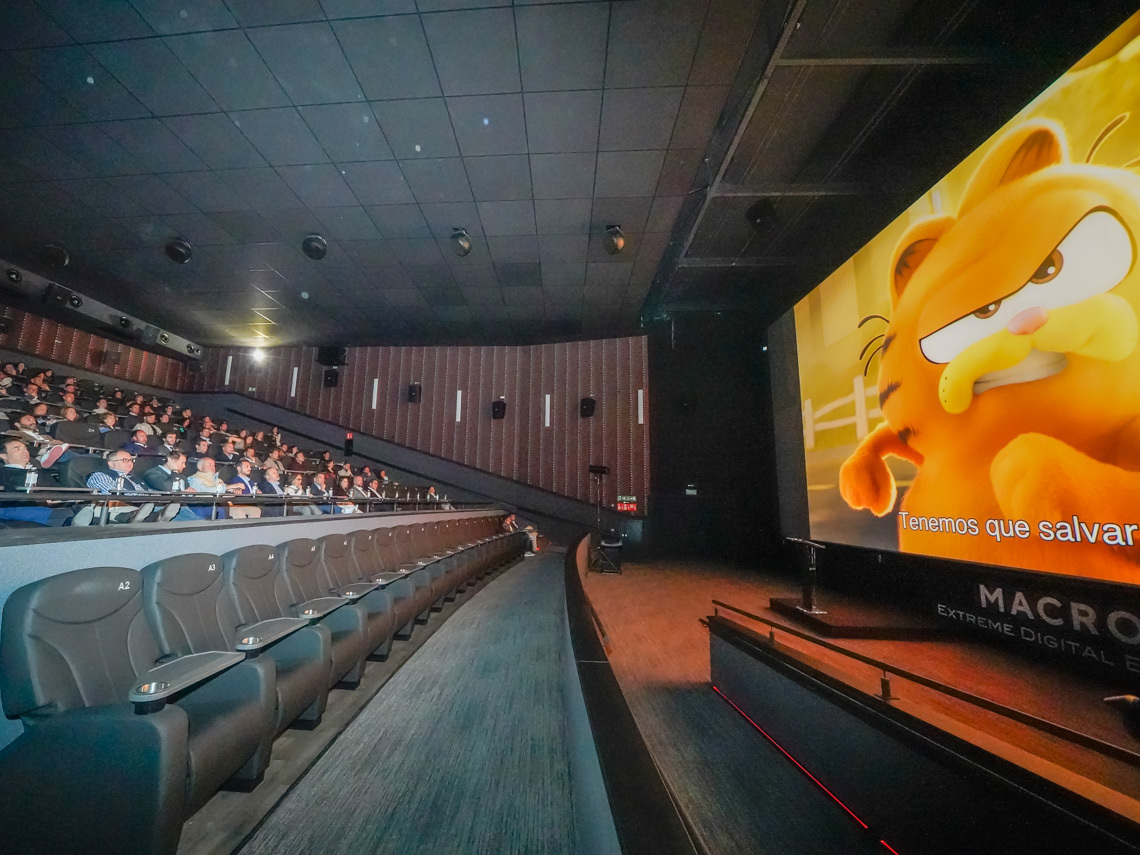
(243, 481)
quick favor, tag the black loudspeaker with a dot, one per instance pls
(586, 407)
(348, 445)
(332, 356)
(332, 377)
(415, 392)
(498, 409)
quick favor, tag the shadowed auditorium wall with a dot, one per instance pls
(371, 397)
(66, 345)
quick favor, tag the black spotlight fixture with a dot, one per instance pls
(75, 301)
(460, 242)
(315, 247)
(163, 338)
(14, 276)
(125, 322)
(178, 250)
(55, 255)
(613, 241)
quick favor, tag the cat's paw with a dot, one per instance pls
(866, 482)
(1038, 477)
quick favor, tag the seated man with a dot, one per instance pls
(318, 491)
(201, 449)
(137, 444)
(244, 485)
(52, 451)
(358, 490)
(227, 454)
(116, 479)
(17, 471)
(169, 443)
(271, 486)
(273, 460)
(432, 495)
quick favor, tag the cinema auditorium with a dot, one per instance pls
(600, 427)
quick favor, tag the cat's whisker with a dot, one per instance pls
(868, 344)
(871, 318)
(869, 358)
(1105, 134)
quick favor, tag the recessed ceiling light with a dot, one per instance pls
(417, 147)
(613, 241)
(460, 242)
(304, 295)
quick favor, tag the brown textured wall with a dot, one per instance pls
(520, 446)
(56, 342)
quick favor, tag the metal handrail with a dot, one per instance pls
(1085, 740)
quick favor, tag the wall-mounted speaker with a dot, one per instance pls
(586, 407)
(415, 393)
(498, 409)
(332, 356)
(332, 377)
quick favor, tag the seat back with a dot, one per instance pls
(299, 565)
(76, 639)
(73, 472)
(256, 584)
(79, 433)
(384, 542)
(405, 546)
(116, 438)
(362, 546)
(337, 561)
(186, 602)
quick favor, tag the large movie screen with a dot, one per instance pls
(970, 379)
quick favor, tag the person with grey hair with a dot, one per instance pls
(116, 480)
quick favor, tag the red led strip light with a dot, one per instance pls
(799, 765)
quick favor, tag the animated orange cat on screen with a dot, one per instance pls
(1010, 372)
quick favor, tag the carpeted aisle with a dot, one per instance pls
(462, 751)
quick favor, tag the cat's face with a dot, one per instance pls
(1018, 314)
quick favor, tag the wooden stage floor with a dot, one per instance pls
(740, 799)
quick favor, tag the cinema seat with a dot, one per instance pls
(78, 433)
(191, 611)
(399, 586)
(117, 751)
(73, 472)
(336, 562)
(309, 591)
(384, 543)
(116, 438)
(261, 592)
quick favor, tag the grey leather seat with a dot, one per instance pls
(309, 590)
(388, 559)
(102, 766)
(338, 567)
(399, 587)
(261, 592)
(192, 611)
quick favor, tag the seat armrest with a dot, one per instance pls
(258, 636)
(356, 590)
(318, 608)
(386, 578)
(156, 685)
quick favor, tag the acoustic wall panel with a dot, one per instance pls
(519, 447)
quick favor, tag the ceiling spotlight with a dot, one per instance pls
(613, 241)
(315, 247)
(460, 242)
(164, 338)
(75, 301)
(258, 355)
(190, 349)
(55, 256)
(178, 250)
(14, 275)
(125, 322)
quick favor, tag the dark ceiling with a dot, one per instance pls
(245, 125)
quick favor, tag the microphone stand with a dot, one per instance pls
(808, 604)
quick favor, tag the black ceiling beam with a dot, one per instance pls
(787, 29)
(753, 191)
(742, 262)
(935, 56)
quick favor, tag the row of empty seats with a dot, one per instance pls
(143, 693)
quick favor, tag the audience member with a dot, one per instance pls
(244, 487)
(136, 445)
(116, 480)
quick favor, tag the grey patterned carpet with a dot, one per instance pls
(463, 751)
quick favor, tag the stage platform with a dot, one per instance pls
(846, 618)
(651, 613)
